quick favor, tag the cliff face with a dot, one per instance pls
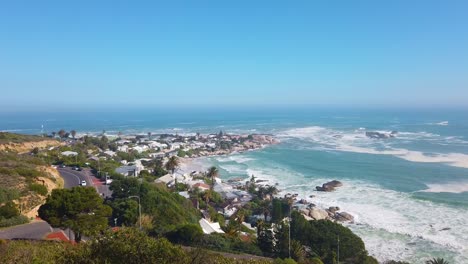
(28, 146)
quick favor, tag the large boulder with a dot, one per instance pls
(344, 217)
(329, 186)
(318, 214)
(380, 135)
(305, 211)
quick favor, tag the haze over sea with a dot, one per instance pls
(409, 194)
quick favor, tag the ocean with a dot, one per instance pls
(409, 194)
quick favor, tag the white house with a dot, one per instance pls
(123, 148)
(166, 179)
(209, 227)
(69, 153)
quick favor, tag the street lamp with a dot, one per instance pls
(139, 206)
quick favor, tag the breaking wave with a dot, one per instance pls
(356, 141)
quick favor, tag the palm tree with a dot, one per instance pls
(213, 172)
(271, 190)
(207, 196)
(172, 164)
(149, 135)
(73, 133)
(53, 134)
(437, 261)
(61, 133)
(265, 207)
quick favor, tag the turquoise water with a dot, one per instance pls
(403, 191)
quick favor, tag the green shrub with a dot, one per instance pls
(38, 188)
(16, 220)
(221, 242)
(187, 234)
(8, 210)
(7, 195)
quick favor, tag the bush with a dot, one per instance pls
(187, 234)
(38, 188)
(322, 237)
(220, 242)
(7, 195)
(284, 261)
(9, 210)
(16, 220)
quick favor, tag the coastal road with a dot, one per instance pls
(36, 230)
(40, 229)
(73, 178)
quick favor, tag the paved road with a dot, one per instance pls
(36, 230)
(39, 229)
(73, 178)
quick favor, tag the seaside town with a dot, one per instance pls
(250, 210)
(235, 195)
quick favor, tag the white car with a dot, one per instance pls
(83, 183)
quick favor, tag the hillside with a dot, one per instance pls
(24, 143)
(25, 182)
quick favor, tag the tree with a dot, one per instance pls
(172, 164)
(81, 209)
(124, 211)
(207, 196)
(61, 133)
(73, 133)
(437, 261)
(125, 187)
(265, 238)
(213, 173)
(129, 246)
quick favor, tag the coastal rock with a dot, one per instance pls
(333, 209)
(329, 186)
(318, 214)
(343, 217)
(305, 212)
(380, 135)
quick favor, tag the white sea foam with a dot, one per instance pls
(356, 141)
(450, 187)
(233, 169)
(392, 224)
(234, 158)
(443, 123)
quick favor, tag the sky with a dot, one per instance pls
(81, 54)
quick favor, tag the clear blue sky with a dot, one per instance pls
(124, 53)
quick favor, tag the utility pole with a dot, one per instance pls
(338, 253)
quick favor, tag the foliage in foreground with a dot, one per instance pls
(81, 209)
(126, 246)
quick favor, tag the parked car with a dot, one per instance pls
(83, 183)
(62, 166)
(108, 180)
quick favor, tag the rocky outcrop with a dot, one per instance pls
(318, 214)
(329, 186)
(343, 217)
(380, 135)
